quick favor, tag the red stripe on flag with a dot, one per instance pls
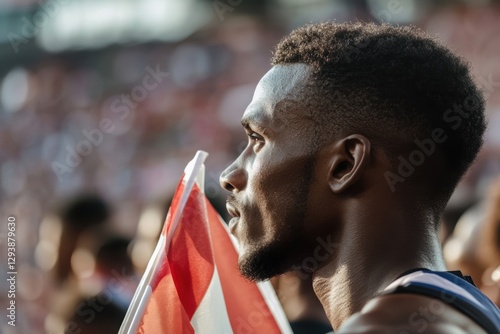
(164, 312)
(246, 307)
(199, 243)
(190, 254)
(163, 269)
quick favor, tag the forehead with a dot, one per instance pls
(281, 86)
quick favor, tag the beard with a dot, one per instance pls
(261, 261)
(265, 261)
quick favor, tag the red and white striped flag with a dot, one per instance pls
(192, 283)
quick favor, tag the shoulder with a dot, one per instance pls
(407, 313)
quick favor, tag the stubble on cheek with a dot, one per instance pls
(280, 199)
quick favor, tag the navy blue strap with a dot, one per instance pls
(460, 304)
(482, 317)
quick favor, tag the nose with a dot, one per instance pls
(234, 177)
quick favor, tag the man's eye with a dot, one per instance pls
(254, 137)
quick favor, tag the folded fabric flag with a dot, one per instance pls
(192, 283)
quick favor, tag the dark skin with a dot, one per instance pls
(285, 194)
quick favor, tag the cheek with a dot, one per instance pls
(264, 183)
(274, 188)
(275, 182)
(264, 197)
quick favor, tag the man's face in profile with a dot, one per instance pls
(271, 180)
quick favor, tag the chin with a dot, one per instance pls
(262, 262)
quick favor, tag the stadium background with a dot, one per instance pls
(102, 103)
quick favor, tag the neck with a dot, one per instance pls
(370, 258)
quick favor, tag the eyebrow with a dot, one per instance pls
(257, 119)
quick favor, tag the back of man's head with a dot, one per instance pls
(403, 90)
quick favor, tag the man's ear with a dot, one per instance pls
(349, 159)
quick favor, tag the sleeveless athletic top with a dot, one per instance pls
(452, 288)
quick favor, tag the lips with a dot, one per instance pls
(232, 225)
(232, 210)
(236, 217)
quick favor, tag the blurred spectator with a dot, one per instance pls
(103, 319)
(53, 145)
(474, 246)
(80, 215)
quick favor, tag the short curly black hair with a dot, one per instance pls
(393, 84)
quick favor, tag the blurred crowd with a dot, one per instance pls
(93, 143)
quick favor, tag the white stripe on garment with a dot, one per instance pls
(434, 280)
(211, 315)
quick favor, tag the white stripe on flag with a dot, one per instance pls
(267, 291)
(275, 307)
(212, 312)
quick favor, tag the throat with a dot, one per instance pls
(347, 284)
